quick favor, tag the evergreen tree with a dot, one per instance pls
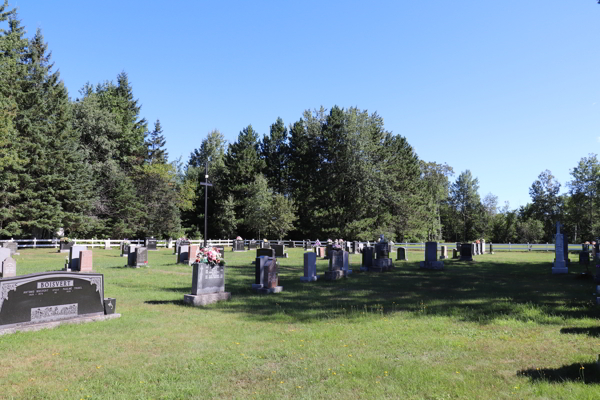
(466, 201)
(585, 193)
(257, 206)
(274, 151)
(155, 144)
(546, 203)
(282, 215)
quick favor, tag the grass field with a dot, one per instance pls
(502, 327)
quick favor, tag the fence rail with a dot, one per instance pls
(104, 243)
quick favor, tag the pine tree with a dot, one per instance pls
(155, 145)
(274, 151)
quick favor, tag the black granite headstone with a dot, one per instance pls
(50, 296)
(207, 279)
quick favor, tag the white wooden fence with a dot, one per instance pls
(102, 243)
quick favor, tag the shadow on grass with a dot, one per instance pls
(592, 331)
(586, 373)
(474, 292)
(175, 302)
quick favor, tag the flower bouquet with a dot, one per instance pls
(65, 239)
(210, 256)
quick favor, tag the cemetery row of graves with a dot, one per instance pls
(304, 322)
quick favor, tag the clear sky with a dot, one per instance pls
(506, 88)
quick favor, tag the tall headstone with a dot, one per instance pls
(355, 247)
(336, 265)
(491, 248)
(86, 261)
(9, 267)
(382, 261)
(431, 261)
(310, 267)
(192, 252)
(368, 256)
(401, 254)
(482, 242)
(183, 254)
(443, 252)
(559, 266)
(584, 258)
(208, 285)
(74, 252)
(267, 275)
(466, 252)
(473, 251)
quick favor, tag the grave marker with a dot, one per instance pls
(9, 267)
(310, 267)
(401, 254)
(431, 261)
(559, 266)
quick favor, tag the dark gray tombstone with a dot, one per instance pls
(473, 249)
(150, 243)
(14, 248)
(279, 251)
(238, 245)
(141, 257)
(585, 247)
(65, 246)
(368, 255)
(560, 244)
(455, 254)
(401, 254)
(208, 279)
(9, 267)
(265, 252)
(491, 248)
(306, 244)
(466, 252)
(267, 275)
(292, 244)
(208, 285)
(336, 266)
(355, 247)
(584, 258)
(253, 244)
(74, 257)
(310, 267)
(431, 261)
(443, 252)
(183, 253)
(49, 297)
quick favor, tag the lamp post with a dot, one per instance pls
(206, 185)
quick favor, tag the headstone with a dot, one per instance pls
(49, 297)
(280, 251)
(458, 244)
(473, 251)
(65, 246)
(265, 245)
(585, 247)
(107, 245)
(401, 254)
(320, 251)
(267, 275)
(559, 266)
(491, 248)
(85, 261)
(476, 249)
(584, 258)
(74, 257)
(150, 243)
(466, 252)
(9, 267)
(265, 252)
(169, 243)
(443, 252)
(208, 285)
(192, 253)
(455, 254)
(310, 267)
(124, 250)
(368, 256)
(482, 246)
(336, 266)
(306, 244)
(431, 261)
(253, 244)
(179, 243)
(355, 247)
(238, 245)
(382, 261)
(138, 258)
(347, 263)
(292, 244)
(183, 254)
(4, 253)
(14, 248)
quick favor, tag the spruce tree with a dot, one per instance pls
(155, 145)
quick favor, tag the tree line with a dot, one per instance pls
(93, 167)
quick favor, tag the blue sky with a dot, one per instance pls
(506, 89)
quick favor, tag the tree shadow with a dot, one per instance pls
(592, 331)
(586, 373)
(175, 302)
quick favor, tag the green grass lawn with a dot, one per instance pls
(502, 327)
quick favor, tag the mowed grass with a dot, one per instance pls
(502, 327)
